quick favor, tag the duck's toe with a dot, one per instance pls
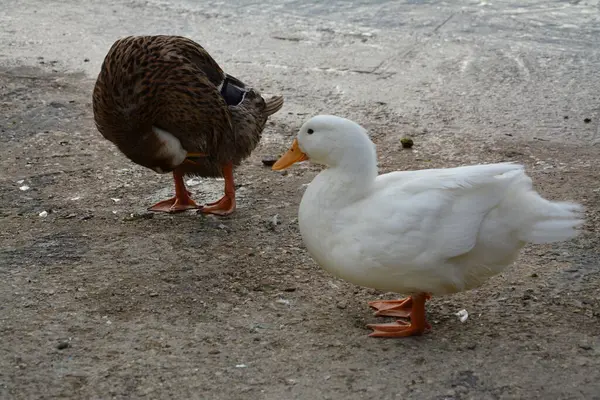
(174, 204)
(396, 329)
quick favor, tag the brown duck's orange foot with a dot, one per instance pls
(396, 329)
(224, 206)
(180, 202)
(174, 204)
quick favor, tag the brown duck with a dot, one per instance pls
(168, 106)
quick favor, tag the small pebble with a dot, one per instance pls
(407, 143)
(193, 182)
(268, 161)
(63, 345)
(341, 305)
(24, 188)
(587, 120)
(43, 214)
(462, 315)
(274, 221)
(283, 301)
(136, 216)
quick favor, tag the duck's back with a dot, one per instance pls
(168, 82)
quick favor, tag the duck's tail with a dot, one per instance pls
(273, 105)
(539, 220)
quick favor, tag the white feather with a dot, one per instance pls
(438, 231)
(171, 150)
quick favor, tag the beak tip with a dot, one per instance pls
(293, 155)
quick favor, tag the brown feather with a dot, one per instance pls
(172, 83)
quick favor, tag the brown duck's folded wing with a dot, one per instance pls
(194, 111)
(197, 55)
(203, 60)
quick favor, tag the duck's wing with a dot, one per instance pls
(231, 88)
(424, 217)
(185, 80)
(195, 53)
(193, 110)
(446, 178)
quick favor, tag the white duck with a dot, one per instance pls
(421, 233)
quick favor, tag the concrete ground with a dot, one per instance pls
(102, 300)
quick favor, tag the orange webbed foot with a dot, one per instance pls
(174, 204)
(400, 308)
(224, 206)
(180, 202)
(396, 329)
(412, 307)
(392, 308)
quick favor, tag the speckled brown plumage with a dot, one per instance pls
(172, 83)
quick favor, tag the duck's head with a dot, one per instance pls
(329, 140)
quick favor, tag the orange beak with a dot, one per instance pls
(293, 155)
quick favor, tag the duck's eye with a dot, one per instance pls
(310, 131)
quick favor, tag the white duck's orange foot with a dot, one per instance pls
(392, 308)
(412, 307)
(396, 329)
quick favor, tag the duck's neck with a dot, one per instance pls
(349, 181)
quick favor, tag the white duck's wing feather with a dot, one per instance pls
(426, 217)
(446, 177)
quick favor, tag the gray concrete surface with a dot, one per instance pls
(95, 303)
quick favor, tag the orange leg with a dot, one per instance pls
(393, 308)
(226, 205)
(180, 202)
(417, 325)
